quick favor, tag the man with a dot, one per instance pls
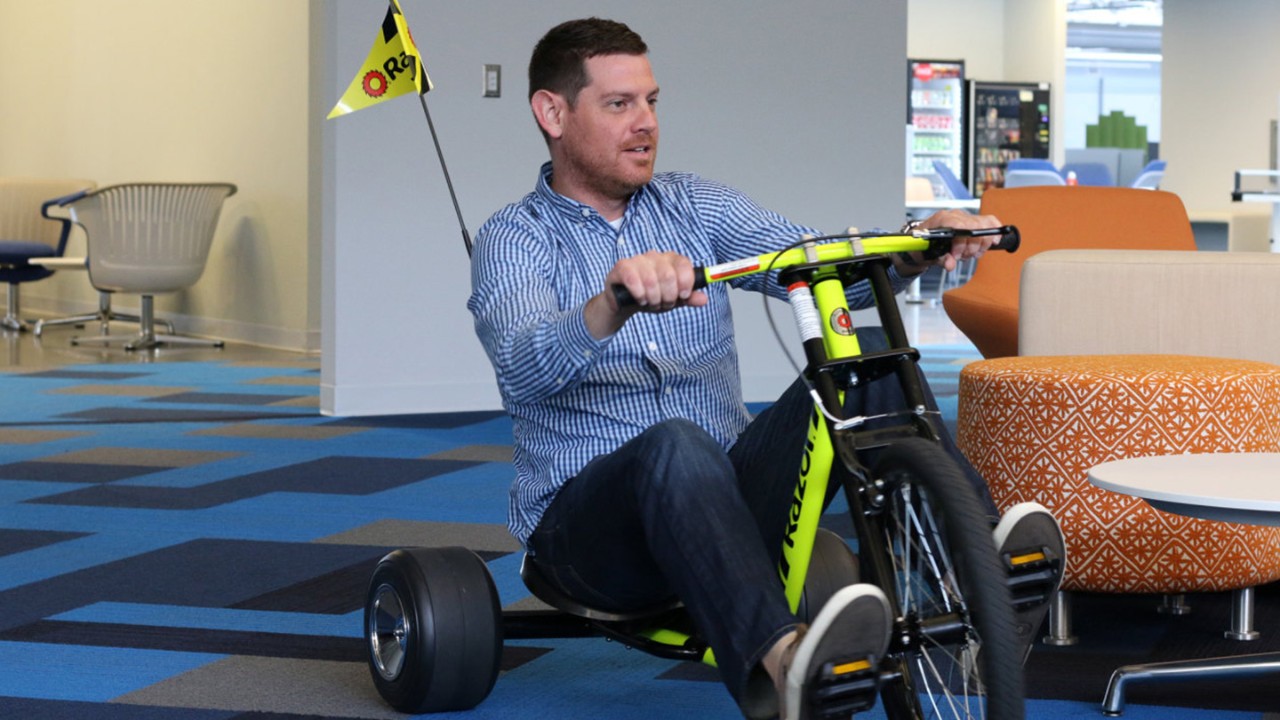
(640, 474)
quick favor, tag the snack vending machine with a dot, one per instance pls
(1008, 121)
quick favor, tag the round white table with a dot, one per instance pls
(1231, 487)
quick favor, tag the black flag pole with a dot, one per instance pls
(466, 236)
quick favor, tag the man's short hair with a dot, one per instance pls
(559, 59)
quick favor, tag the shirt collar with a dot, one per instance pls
(572, 207)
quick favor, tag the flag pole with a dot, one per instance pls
(466, 236)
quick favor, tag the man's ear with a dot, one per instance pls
(548, 110)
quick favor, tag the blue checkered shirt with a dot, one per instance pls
(572, 397)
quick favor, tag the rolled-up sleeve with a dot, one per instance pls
(537, 348)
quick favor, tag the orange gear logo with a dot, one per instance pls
(374, 83)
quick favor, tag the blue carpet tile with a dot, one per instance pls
(225, 579)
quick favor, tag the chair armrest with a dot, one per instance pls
(62, 202)
(61, 263)
(66, 222)
(1100, 302)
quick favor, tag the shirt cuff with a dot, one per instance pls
(578, 342)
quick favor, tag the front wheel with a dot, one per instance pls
(433, 629)
(955, 646)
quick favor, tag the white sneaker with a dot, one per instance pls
(835, 664)
(1033, 552)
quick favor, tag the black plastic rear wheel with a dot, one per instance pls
(433, 629)
(955, 643)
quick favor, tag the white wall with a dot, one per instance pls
(794, 103)
(1220, 92)
(1000, 41)
(1035, 50)
(973, 31)
(151, 90)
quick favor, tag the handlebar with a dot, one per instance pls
(837, 248)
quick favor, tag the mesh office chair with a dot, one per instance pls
(26, 233)
(104, 315)
(149, 238)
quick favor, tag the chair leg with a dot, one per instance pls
(104, 316)
(147, 337)
(1060, 632)
(1173, 604)
(1242, 616)
(11, 319)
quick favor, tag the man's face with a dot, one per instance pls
(610, 136)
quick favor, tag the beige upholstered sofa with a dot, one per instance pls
(1108, 302)
(1176, 311)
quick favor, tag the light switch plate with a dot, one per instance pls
(492, 80)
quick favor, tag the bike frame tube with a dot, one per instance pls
(838, 342)
(809, 499)
(814, 253)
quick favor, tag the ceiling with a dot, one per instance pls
(1115, 26)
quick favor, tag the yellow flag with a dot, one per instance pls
(390, 70)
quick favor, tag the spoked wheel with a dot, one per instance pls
(433, 627)
(832, 566)
(955, 644)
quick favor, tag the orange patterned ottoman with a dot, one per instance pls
(1033, 426)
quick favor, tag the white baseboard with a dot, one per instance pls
(401, 399)
(236, 331)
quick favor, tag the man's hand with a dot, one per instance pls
(962, 247)
(658, 281)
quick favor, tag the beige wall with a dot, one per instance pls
(1219, 92)
(1000, 41)
(972, 31)
(1036, 50)
(152, 90)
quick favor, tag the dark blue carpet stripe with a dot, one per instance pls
(118, 578)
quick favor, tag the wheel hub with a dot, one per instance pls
(389, 631)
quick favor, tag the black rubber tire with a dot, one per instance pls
(832, 566)
(433, 629)
(925, 489)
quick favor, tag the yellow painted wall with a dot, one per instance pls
(154, 90)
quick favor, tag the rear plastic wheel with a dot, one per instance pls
(433, 629)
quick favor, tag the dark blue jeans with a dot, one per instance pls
(671, 513)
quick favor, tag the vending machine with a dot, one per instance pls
(935, 119)
(1007, 121)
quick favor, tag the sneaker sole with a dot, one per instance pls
(851, 631)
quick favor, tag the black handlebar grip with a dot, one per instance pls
(1009, 240)
(624, 299)
(622, 296)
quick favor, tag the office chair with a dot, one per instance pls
(1027, 178)
(104, 315)
(1031, 164)
(1150, 176)
(951, 182)
(1090, 173)
(27, 233)
(145, 239)
(986, 308)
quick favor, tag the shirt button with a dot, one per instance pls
(587, 353)
(667, 391)
(586, 212)
(653, 346)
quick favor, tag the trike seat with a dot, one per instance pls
(546, 591)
